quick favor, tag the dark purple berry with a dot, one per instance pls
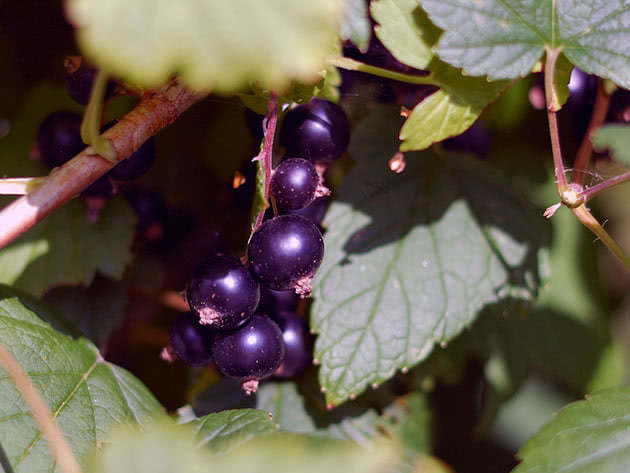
(135, 165)
(191, 341)
(315, 211)
(294, 184)
(317, 131)
(285, 252)
(102, 188)
(272, 302)
(298, 343)
(222, 293)
(79, 81)
(150, 210)
(250, 353)
(59, 138)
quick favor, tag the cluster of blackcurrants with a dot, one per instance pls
(59, 140)
(246, 339)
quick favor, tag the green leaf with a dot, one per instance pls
(412, 258)
(617, 139)
(355, 25)
(449, 111)
(586, 436)
(86, 395)
(97, 310)
(211, 45)
(66, 248)
(409, 35)
(406, 31)
(168, 448)
(504, 38)
(226, 430)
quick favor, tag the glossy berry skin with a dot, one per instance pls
(191, 342)
(250, 353)
(79, 84)
(294, 183)
(135, 165)
(317, 131)
(298, 343)
(315, 211)
(272, 302)
(222, 293)
(59, 138)
(284, 251)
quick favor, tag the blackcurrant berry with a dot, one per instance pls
(285, 252)
(150, 210)
(272, 302)
(294, 183)
(298, 343)
(59, 138)
(315, 211)
(80, 78)
(135, 165)
(250, 353)
(318, 131)
(222, 293)
(191, 341)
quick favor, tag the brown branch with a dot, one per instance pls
(558, 163)
(583, 157)
(57, 443)
(157, 109)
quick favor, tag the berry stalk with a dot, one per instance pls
(157, 109)
(558, 163)
(265, 155)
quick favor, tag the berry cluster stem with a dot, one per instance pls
(558, 162)
(157, 109)
(265, 155)
(57, 443)
(602, 103)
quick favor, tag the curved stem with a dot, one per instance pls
(593, 225)
(558, 163)
(57, 443)
(156, 110)
(266, 153)
(352, 65)
(91, 125)
(583, 157)
(589, 193)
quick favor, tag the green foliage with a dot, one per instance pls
(411, 259)
(66, 248)
(410, 36)
(86, 395)
(168, 448)
(617, 139)
(586, 436)
(356, 23)
(211, 45)
(504, 39)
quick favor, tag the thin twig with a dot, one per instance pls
(266, 153)
(4, 461)
(583, 157)
(558, 163)
(352, 65)
(57, 443)
(589, 193)
(590, 222)
(156, 110)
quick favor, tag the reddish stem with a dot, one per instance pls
(602, 186)
(602, 102)
(156, 110)
(266, 154)
(558, 163)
